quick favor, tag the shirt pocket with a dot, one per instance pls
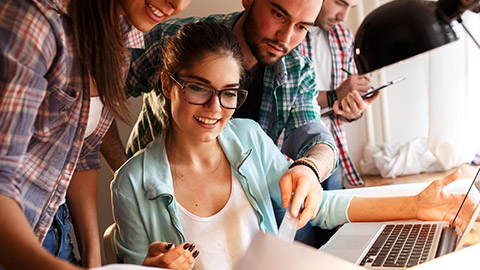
(55, 112)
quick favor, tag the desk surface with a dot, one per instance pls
(468, 171)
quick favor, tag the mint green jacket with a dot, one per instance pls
(144, 205)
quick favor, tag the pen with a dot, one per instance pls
(350, 73)
(346, 71)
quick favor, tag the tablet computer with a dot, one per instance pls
(372, 92)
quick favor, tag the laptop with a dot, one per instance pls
(400, 244)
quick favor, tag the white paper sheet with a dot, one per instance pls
(267, 251)
(288, 227)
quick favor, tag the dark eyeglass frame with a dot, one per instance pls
(215, 92)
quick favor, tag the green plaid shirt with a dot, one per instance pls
(289, 89)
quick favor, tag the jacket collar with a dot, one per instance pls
(157, 177)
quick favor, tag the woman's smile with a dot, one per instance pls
(206, 120)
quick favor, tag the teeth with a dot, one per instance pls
(205, 120)
(155, 11)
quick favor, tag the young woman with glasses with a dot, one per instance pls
(198, 194)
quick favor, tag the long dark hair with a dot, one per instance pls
(99, 42)
(191, 44)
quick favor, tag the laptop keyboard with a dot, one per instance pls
(401, 245)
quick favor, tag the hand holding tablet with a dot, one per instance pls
(371, 93)
(375, 90)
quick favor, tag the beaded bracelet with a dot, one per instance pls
(307, 162)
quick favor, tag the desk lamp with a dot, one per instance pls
(404, 28)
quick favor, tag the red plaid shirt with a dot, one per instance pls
(341, 46)
(44, 103)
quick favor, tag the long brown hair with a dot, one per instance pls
(99, 42)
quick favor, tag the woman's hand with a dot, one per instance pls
(166, 255)
(434, 203)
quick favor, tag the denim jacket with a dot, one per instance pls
(144, 205)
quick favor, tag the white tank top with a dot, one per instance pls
(322, 60)
(94, 114)
(224, 237)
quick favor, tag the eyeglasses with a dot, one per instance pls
(201, 94)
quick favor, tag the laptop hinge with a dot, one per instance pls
(448, 239)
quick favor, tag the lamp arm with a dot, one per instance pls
(453, 9)
(468, 32)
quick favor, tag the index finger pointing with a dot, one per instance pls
(286, 190)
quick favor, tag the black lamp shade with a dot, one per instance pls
(398, 30)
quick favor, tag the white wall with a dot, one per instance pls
(407, 103)
(403, 102)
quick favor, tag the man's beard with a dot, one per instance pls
(254, 41)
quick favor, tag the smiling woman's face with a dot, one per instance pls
(203, 123)
(144, 15)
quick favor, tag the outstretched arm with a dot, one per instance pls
(433, 203)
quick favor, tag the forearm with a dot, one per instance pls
(82, 202)
(363, 209)
(322, 99)
(20, 249)
(112, 148)
(324, 157)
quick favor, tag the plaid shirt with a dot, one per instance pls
(341, 46)
(289, 89)
(44, 103)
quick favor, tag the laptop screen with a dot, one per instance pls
(469, 209)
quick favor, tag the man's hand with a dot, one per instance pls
(434, 203)
(303, 182)
(353, 105)
(354, 82)
(165, 255)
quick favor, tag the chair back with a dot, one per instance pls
(109, 244)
